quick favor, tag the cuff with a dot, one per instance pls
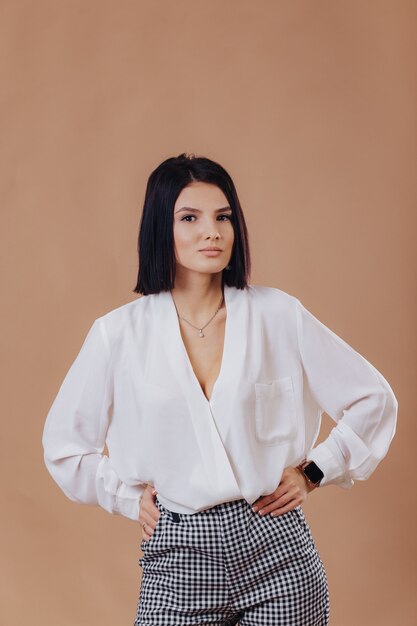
(115, 496)
(329, 464)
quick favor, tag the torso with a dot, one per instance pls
(205, 353)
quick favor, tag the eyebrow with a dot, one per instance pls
(187, 208)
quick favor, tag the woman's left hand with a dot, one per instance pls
(292, 490)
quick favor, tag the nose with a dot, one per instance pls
(212, 231)
(210, 228)
(212, 236)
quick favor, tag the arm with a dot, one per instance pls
(75, 432)
(355, 395)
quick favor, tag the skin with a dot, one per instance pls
(196, 293)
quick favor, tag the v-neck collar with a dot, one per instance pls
(234, 344)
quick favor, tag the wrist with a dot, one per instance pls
(307, 483)
(300, 471)
(311, 472)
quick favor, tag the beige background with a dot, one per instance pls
(311, 106)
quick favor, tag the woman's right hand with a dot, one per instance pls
(148, 512)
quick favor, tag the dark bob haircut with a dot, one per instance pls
(156, 238)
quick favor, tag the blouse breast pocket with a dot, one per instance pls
(275, 411)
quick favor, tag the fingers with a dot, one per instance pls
(151, 519)
(149, 513)
(281, 506)
(148, 524)
(272, 505)
(280, 492)
(291, 492)
(146, 536)
(284, 509)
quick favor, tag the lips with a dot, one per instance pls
(211, 250)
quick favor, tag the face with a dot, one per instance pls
(202, 219)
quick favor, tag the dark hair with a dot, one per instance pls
(156, 239)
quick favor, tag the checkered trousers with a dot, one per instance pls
(228, 565)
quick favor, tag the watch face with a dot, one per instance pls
(313, 472)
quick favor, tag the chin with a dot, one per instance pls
(210, 267)
(207, 270)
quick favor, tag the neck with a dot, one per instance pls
(197, 297)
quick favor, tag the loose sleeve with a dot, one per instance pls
(75, 430)
(354, 394)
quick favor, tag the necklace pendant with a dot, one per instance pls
(201, 332)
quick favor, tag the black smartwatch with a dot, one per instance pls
(312, 472)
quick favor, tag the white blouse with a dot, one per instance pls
(132, 388)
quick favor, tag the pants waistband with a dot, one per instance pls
(176, 517)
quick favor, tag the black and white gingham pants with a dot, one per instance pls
(228, 565)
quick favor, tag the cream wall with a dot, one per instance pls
(311, 106)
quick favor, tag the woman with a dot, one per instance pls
(208, 392)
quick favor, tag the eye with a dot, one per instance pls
(228, 217)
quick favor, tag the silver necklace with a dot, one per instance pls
(200, 330)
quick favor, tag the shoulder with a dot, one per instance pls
(272, 298)
(117, 321)
(124, 311)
